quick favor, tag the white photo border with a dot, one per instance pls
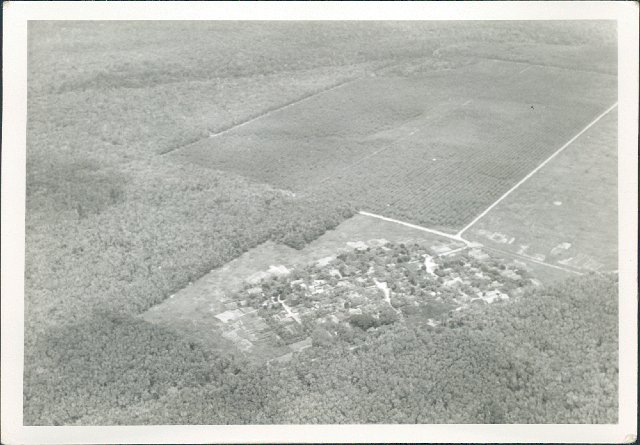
(15, 17)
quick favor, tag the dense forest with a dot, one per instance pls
(548, 357)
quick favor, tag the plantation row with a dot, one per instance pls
(419, 149)
(407, 183)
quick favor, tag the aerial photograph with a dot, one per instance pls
(321, 222)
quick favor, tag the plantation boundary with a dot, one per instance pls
(415, 226)
(458, 235)
(284, 106)
(542, 164)
(548, 65)
(265, 113)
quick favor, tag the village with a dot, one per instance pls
(342, 297)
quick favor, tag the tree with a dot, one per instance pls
(320, 337)
(363, 321)
(387, 316)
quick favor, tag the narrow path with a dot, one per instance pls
(542, 65)
(525, 69)
(266, 113)
(414, 226)
(288, 310)
(533, 260)
(468, 244)
(387, 293)
(284, 106)
(451, 252)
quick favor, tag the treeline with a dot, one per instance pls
(549, 357)
(170, 227)
(223, 50)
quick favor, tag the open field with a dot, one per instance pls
(566, 214)
(129, 201)
(425, 147)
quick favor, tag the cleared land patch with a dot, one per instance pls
(425, 147)
(205, 311)
(225, 309)
(567, 213)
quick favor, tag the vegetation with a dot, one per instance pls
(113, 227)
(206, 50)
(549, 357)
(375, 286)
(154, 241)
(425, 148)
(108, 362)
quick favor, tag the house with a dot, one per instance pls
(316, 289)
(299, 283)
(284, 358)
(231, 315)
(326, 260)
(511, 274)
(522, 265)
(478, 254)
(358, 245)
(279, 271)
(430, 265)
(481, 275)
(453, 282)
(230, 305)
(499, 238)
(256, 290)
(439, 249)
(282, 318)
(232, 335)
(478, 301)
(292, 329)
(560, 248)
(301, 345)
(493, 296)
(539, 257)
(535, 282)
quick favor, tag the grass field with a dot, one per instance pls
(566, 214)
(425, 147)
